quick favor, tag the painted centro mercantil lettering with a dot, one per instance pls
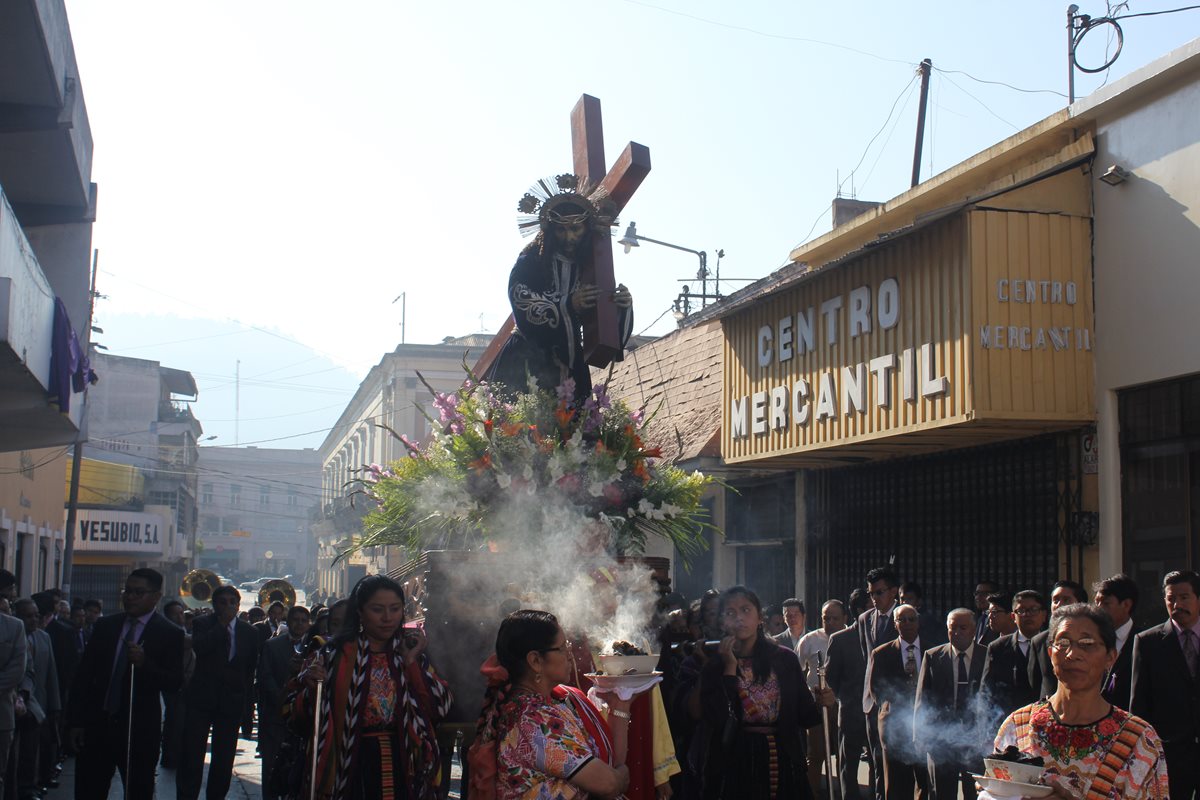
(797, 334)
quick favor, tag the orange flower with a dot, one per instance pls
(564, 415)
(600, 448)
(653, 452)
(511, 428)
(639, 469)
(482, 463)
(487, 427)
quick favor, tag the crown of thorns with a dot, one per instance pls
(564, 200)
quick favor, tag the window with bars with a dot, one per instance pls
(1160, 485)
(944, 520)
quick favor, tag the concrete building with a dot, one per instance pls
(138, 415)
(1146, 188)
(47, 206)
(391, 400)
(31, 520)
(257, 508)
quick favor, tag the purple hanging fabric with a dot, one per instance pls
(69, 367)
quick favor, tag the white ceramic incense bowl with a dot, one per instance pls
(628, 665)
(1011, 771)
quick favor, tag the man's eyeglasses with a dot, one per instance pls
(132, 592)
(1028, 612)
(1082, 646)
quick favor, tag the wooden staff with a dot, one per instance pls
(129, 734)
(829, 773)
(312, 784)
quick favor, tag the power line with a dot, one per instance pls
(766, 35)
(1157, 13)
(999, 83)
(903, 93)
(980, 102)
(883, 148)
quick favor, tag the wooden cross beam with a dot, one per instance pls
(601, 334)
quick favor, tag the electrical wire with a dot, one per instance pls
(1158, 13)
(883, 147)
(980, 102)
(20, 470)
(766, 35)
(903, 93)
(998, 83)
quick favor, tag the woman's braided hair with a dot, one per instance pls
(521, 633)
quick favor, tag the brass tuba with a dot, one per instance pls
(277, 590)
(198, 586)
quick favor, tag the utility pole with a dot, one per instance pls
(68, 563)
(1071, 11)
(926, 68)
(237, 402)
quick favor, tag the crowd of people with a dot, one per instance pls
(752, 704)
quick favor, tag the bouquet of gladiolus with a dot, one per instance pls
(498, 465)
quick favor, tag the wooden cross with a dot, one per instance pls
(601, 333)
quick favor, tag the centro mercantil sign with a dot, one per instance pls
(981, 320)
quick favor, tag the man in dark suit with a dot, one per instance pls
(1006, 673)
(137, 646)
(933, 630)
(984, 635)
(13, 647)
(876, 627)
(1166, 683)
(946, 710)
(1041, 672)
(275, 667)
(795, 619)
(845, 671)
(890, 690)
(1118, 597)
(226, 655)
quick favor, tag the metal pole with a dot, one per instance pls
(1071, 10)
(312, 783)
(829, 773)
(926, 67)
(68, 564)
(129, 733)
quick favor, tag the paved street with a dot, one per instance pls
(247, 784)
(246, 779)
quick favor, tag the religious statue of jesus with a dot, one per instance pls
(546, 291)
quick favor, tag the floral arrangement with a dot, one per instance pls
(494, 452)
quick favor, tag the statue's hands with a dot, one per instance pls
(584, 297)
(621, 296)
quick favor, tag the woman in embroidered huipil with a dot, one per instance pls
(1091, 749)
(381, 701)
(539, 739)
(758, 705)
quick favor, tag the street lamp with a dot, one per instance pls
(631, 240)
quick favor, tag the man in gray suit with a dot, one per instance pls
(793, 615)
(275, 667)
(12, 672)
(40, 692)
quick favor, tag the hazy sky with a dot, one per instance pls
(291, 167)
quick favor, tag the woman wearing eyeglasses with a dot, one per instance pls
(538, 738)
(1090, 748)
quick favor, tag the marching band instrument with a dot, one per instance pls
(277, 590)
(197, 588)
